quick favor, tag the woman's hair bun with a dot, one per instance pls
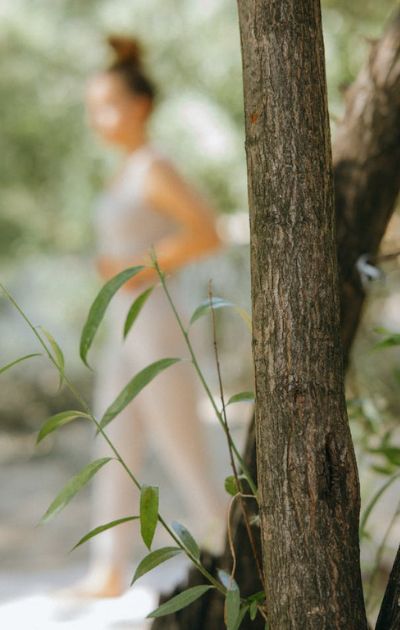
(126, 49)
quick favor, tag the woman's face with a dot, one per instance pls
(115, 113)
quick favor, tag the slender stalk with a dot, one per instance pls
(230, 443)
(378, 556)
(119, 458)
(201, 376)
(230, 538)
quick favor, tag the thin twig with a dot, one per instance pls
(229, 439)
(185, 334)
(230, 539)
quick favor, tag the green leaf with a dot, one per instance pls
(217, 302)
(135, 310)
(155, 558)
(59, 420)
(180, 601)
(391, 453)
(389, 341)
(253, 610)
(27, 356)
(99, 307)
(232, 607)
(58, 355)
(241, 616)
(257, 597)
(132, 389)
(186, 538)
(242, 397)
(73, 487)
(373, 502)
(232, 600)
(231, 485)
(148, 513)
(103, 528)
(205, 306)
(384, 470)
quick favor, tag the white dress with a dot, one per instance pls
(165, 412)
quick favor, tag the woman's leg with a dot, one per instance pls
(171, 420)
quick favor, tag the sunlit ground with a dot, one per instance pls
(37, 604)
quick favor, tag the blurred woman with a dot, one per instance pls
(147, 204)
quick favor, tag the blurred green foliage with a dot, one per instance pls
(52, 168)
(51, 165)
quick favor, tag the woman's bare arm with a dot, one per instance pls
(167, 192)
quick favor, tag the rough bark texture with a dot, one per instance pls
(307, 473)
(372, 119)
(389, 616)
(366, 157)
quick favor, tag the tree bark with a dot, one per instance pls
(307, 473)
(389, 615)
(363, 208)
(366, 158)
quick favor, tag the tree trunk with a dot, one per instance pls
(307, 473)
(366, 157)
(389, 615)
(363, 208)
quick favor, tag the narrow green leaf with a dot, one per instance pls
(73, 486)
(103, 528)
(59, 356)
(217, 302)
(186, 538)
(232, 607)
(132, 389)
(253, 610)
(59, 420)
(205, 306)
(99, 307)
(241, 616)
(135, 310)
(373, 502)
(27, 356)
(180, 601)
(148, 513)
(153, 559)
(242, 397)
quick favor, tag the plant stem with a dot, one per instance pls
(230, 443)
(87, 409)
(201, 376)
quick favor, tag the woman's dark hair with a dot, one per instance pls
(128, 64)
